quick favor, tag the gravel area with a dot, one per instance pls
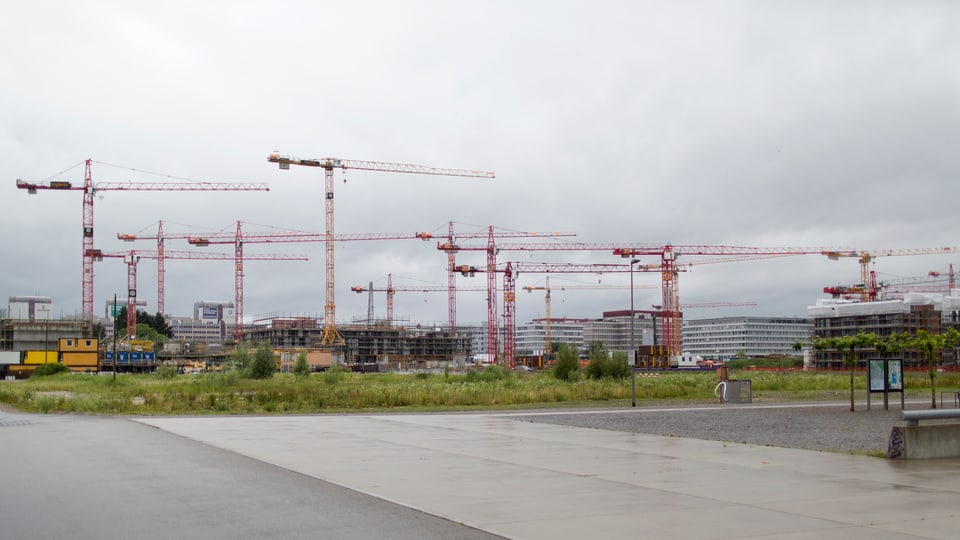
(828, 428)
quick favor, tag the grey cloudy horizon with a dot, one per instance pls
(748, 123)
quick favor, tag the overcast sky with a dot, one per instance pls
(759, 123)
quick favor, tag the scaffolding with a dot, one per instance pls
(389, 347)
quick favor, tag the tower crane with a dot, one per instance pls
(547, 343)
(451, 248)
(865, 257)
(330, 335)
(668, 269)
(132, 258)
(932, 282)
(89, 191)
(391, 291)
(509, 272)
(238, 238)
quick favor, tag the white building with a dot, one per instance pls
(29, 308)
(614, 329)
(192, 330)
(531, 337)
(212, 322)
(726, 337)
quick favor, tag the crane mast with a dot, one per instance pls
(237, 238)
(331, 336)
(132, 258)
(89, 191)
(451, 248)
(510, 272)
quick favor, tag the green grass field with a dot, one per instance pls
(227, 393)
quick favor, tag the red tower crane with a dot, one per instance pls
(239, 239)
(451, 248)
(865, 257)
(547, 343)
(874, 290)
(509, 295)
(89, 191)
(132, 258)
(330, 335)
(204, 239)
(668, 268)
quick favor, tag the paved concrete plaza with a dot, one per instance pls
(537, 481)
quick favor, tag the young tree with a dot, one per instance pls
(847, 345)
(616, 366)
(567, 367)
(597, 354)
(264, 364)
(930, 347)
(240, 358)
(301, 368)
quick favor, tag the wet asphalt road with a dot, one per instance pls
(104, 478)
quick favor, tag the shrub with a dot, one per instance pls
(264, 364)
(240, 358)
(166, 372)
(494, 373)
(616, 367)
(335, 374)
(53, 368)
(567, 367)
(301, 368)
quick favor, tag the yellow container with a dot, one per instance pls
(80, 359)
(40, 357)
(79, 344)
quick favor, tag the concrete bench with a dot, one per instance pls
(929, 441)
(913, 418)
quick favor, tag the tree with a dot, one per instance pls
(597, 354)
(161, 329)
(567, 367)
(605, 363)
(264, 363)
(240, 358)
(301, 368)
(847, 345)
(930, 347)
(616, 366)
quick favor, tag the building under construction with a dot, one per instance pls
(372, 343)
(931, 313)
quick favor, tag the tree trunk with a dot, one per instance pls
(851, 389)
(933, 390)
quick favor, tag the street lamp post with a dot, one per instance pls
(114, 312)
(633, 343)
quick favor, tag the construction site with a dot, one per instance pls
(31, 337)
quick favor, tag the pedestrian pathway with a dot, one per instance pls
(537, 481)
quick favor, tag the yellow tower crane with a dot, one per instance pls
(330, 335)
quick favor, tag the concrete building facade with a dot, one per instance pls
(929, 312)
(727, 337)
(531, 337)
